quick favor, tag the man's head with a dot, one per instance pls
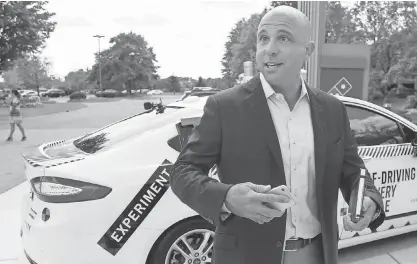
(283, 45)
(16, 93)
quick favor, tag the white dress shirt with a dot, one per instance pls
(296, 138)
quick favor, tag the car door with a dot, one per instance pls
(385, 146)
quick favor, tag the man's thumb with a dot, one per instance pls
(260, 188)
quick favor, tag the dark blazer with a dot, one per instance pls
(236, 132)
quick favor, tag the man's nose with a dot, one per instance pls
(273, 48)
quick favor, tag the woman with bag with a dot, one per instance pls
(15, 115)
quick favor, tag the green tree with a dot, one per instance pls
(201, 82)
(11, 79)
(24, 28)
(129, 63)
(340, 27)
(386, 26)
(174, 84)
(33, 71)
(405, 58)
(287, 3)
(77, 80)
(29, 72)
(187, 82)
(228, 74)
(161, 84)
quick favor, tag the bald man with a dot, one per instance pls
(274, 130)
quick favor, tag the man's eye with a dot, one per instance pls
(263, 38)
(283, 38)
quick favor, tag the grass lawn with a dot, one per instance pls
(44, 109)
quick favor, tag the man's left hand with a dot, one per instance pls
(368, 210)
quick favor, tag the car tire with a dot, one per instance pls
(194, 229)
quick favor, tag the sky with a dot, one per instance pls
(187, 36)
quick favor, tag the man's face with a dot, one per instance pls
(282, 48)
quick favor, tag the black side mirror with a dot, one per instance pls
(147, 105)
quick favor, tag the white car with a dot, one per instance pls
(28, 93)
(105, 197)
(155, 92)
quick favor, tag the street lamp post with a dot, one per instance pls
(99, 59)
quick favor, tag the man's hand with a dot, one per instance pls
(368, 209)
(246, 200)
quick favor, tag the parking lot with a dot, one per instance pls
(63, 125)
(91, 116)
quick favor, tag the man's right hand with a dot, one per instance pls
(246, 200)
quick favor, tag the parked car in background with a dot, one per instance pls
(155, 92)
(78, 95)
(54, 92)
(110, 93)
(143, 91)
(42, 91)
(202, 89)
(28, 93)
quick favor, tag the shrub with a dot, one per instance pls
(45, 99)
(34, 99)
(376, 95)
(78, 96)
(110, 94)
(411, 102)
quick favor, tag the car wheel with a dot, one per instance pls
(189, 242)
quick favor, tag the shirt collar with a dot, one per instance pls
(269, 91)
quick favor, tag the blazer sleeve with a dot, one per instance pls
(352, 164)
(189, 175)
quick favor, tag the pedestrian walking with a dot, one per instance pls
(16, 118)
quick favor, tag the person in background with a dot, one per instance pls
(15, 115)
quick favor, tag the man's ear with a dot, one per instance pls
(310, 49)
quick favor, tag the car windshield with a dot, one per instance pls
(127, 128)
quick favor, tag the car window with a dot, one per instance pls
(408, 133)
(371, 128)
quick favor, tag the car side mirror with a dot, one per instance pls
(147, 105)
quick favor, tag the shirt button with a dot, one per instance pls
(295, 168)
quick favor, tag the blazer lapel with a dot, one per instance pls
(256, 108)
(318, 121)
